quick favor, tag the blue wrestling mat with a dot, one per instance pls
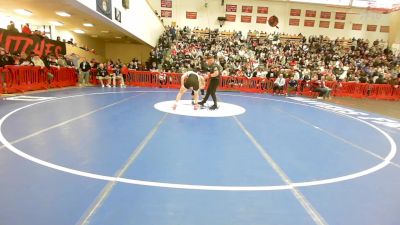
(123, 157)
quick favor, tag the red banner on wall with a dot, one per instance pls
(294, 22)
(191, 15)
(23, 43)
(309, 23)
(295, 12)
(261, 19)
(324, 24)
(340, 16)
(325, 15)
(339, 25)
(311, 13)
(247, 9)
(371, 27)
(384, 29)
(166, 3)
(230, 17)
(166, 13)
(245, 19)
(356, 26)
(262, 10)
(231, 8)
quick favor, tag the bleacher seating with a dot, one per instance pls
(290, 38)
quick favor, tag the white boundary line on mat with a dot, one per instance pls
(386, 161)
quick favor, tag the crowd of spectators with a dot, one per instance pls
(33, 59)
(25, 29)
(81, 64)
(45, 62)
(180, 49)
(314, 58)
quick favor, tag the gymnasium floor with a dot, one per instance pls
(110, 157)
(383, 107)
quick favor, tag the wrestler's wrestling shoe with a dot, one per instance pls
(198, 102)
(201, 104)
(213, 107)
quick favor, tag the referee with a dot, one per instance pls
(214, 73)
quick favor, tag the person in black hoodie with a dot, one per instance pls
(380, 80)
(46, 63)
(4, 61)
(102, 74)
(84, 72)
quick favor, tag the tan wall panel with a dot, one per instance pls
(126, 52)
(394, 32)
(83, 40)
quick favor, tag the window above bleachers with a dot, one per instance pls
(387, 4)
(328, 2)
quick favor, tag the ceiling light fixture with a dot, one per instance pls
(105, 31)
(23, 12)
(63, 14)
(78, 31)
(118, 37)
(88, 25)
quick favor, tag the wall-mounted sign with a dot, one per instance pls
(117, 15)
(191, 15)
(356, 26)
(247, 9)
(311, 13)
(325, 15)
(166, 13)
(371, 27)
(309, 23)
(231, 8)
(340, 16)
(245, 19)
(294, 22)
(339, 25)
(230, 17)
(166, 3)
(261, 19)
(262, 10)
(18, 43)
(384, 29)
(125, 4)
(104, 7)
(295, 12)
(324, 24)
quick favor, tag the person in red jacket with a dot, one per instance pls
(26, 29)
